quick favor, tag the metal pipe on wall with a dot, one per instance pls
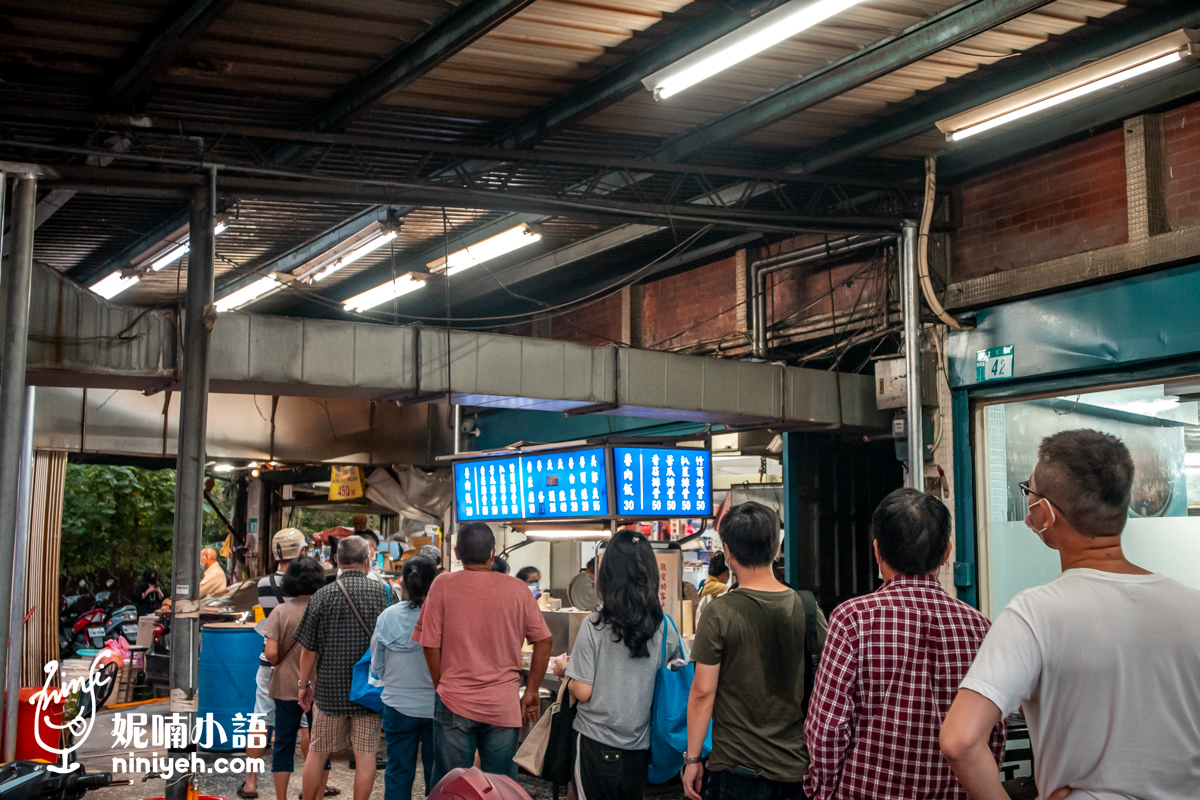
(20, 566)
(12, 395)
(199, 316)
(910, 308)
(760, 269)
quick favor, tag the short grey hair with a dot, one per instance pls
(353, 550)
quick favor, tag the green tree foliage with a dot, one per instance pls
(117, 521)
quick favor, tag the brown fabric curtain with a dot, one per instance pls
(41, 589)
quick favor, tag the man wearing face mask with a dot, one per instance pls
(1104, 661)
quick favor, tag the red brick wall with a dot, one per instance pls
(1181, 135)
(1063, 202)
(805, 292)
(595, 323)
(701, 301)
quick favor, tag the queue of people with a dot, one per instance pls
(902, 693)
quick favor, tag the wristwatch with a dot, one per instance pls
(689, 760)
(302, 684)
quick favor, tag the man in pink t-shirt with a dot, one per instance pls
(472, 627)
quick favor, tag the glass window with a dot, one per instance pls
(1158, 423)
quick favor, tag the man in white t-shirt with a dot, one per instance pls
(1104, 661)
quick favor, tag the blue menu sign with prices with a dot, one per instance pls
(560, 485)
(663, 481)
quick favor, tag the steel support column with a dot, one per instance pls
(801, 511)
(20, 565)
(910, 307)
(189, 477)
(12, 391)
(965, 560)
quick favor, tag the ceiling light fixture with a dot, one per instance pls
(370, 246)
(494, 247)
(567, 535)
(1157, 54)
(382, 294)
(248, 294)
(113, 284)
(179, 251)
(767, 31)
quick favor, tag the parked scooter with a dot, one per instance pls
(122, 622)
(32, 780)
(80, 625)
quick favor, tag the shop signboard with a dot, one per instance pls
(564, 484)
(663, 481)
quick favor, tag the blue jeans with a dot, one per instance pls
(403, 734)
(287, 729)
(741, 784)
(456, 740)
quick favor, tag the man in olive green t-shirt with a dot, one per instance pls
(750, 661)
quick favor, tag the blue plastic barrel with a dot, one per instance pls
(228, 675)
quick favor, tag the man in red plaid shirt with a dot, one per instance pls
(892, 664)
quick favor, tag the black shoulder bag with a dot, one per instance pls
(812, 644)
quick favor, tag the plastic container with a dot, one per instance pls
(28, 748)
(228, 672)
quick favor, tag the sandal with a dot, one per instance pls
(241, 792)
(331, 791)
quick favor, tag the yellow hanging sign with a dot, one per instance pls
(346, 483)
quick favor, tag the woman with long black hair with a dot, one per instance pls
(612, 669)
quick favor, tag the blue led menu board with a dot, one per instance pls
(663, 481)
(558, 485)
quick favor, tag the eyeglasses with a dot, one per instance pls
(1028, 490)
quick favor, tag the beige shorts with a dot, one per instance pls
(336, 734)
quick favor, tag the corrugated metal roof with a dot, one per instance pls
(824, 44)
(276, 62)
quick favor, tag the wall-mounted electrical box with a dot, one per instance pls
(891, 382)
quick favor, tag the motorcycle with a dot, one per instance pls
(122, 622)
(32, 780)
(78, 632)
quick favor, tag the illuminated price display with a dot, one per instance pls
(663, 481)
(559, 485)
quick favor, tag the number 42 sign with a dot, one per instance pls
(995, 363)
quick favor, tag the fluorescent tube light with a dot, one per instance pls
(381, 294)
(767, 31)
(179, 251)
(113, 284)
(349, 258)
(1157, 54)
(247, 294)
(494, 247)
(568, 535)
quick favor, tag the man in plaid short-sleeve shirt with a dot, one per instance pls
(332, 640)
(892, 664)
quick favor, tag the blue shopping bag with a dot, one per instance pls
(668, 715)
(366, 688)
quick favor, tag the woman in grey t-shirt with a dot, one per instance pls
(612, 669)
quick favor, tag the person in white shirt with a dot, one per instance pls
(1104, 661)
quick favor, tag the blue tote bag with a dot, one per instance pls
(668, 715)
(365, 687)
